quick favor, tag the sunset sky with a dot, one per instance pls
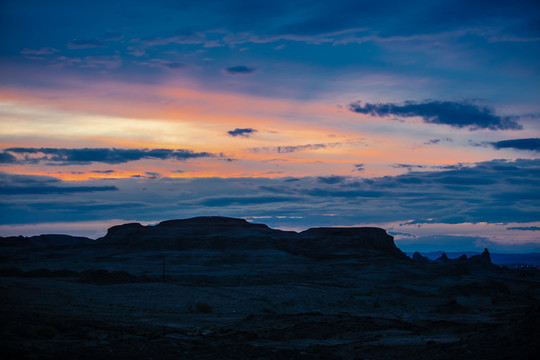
(419, 117)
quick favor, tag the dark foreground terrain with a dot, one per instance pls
(219, 288)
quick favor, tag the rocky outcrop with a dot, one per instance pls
(222, 234)
(481, 261)
(58, 240)
(417, 257)
(212, 232)
(46, 240)
(327, 242)
(443, 259)
(483, 258)
(15, 241)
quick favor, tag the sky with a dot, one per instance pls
(421, 117)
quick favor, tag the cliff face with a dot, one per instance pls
(221, 233)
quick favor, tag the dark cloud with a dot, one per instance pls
(247, 132)
(84, 156)
(456, 114)
(359, 167)
(7, 158)
(239, 70)
(532, 144)
(7, 179)
(524, 228)
(331, 179)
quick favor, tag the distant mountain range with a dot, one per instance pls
(507, 259)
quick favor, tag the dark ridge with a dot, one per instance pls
(223, 233)
(45, 240)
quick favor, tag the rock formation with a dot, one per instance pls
(222, 234)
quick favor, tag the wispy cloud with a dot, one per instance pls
(41, 51)
(59, 156)
(15, 184)
(294, 148)
(163, 64)
(85, 44)
(456, 114)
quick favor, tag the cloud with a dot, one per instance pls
(244, 200)
(187, 37)
(103, 171)
(7, 158)
(239, 70)
(532, 144)
(84, 156)
(359, 167)
(242, 132)
(107, 62)
(456, 114)
(524, 228)
(491, 192)
(409, 167)
(85, 44)
(163, 64)
(39, 190)
(16, 184)
(41, 51)
(330, 179)
(294, 148)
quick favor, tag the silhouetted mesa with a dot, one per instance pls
(222, 234)
(46, 240)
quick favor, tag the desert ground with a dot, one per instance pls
(110, 302)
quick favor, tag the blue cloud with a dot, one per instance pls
(524, 228)
(455, 114)
(532, 144)
(239, 70)
(40, 190)
(331, 179)
(84, 156)
(244, 200)
(247, 132)
(7, 158)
